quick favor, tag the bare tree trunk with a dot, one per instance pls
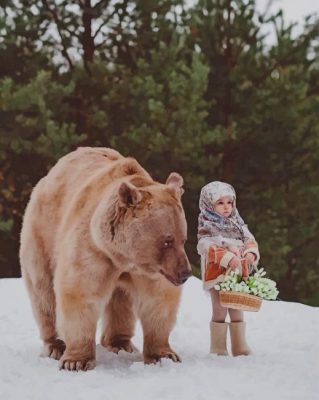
(55, 17)
(230, 154)
(87, 37)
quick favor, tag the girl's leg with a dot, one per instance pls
(218, 326)
(219, 312)
(235, 315)
(237, 327)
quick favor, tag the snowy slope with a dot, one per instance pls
(285, 364)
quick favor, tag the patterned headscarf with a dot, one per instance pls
(211, 223)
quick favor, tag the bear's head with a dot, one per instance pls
(143, 224)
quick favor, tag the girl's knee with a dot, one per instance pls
(219, 313)
(235, 315)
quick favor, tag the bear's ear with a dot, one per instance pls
(129, 194)
(175, 181)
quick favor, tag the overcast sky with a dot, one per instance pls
(294, 10)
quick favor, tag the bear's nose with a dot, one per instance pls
(184, 274)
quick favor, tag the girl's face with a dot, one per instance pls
(224, 206)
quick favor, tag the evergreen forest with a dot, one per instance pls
(215, 90)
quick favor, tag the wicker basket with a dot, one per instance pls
(240, 301)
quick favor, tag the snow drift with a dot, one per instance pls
(283, 336)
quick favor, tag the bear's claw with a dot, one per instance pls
(77, 365)
(154, 358)
(53, 349)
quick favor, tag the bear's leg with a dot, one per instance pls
(77, 317)
(39, 284)
(119, 323)
(158, 317)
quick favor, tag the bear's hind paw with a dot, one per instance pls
(154, 358)
(53, 349)
(120, 344)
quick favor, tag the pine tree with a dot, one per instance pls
(197, 90)
(265, 101)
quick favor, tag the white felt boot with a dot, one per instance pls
(239, 346)
(218, 336)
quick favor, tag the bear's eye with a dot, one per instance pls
(168, 243)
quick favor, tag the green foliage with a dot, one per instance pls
(36, 130)
(195, 90)
(33, 116)
(266, 100)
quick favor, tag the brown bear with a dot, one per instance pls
(101, 238)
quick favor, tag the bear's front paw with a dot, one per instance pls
(155, 357)
(118, 343)
(53, 349)
(71, 364)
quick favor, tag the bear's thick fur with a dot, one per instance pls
(101, 238)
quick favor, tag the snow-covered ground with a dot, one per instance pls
(285, 364)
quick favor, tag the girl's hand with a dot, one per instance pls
(235, 263)
(250, 257)
(235, 250)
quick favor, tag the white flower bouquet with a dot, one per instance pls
(247, 295)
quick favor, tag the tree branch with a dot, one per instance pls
(57, 21)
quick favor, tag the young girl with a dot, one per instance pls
(224, 242)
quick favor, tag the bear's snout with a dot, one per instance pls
(184, 270)
(184, 274)
(179, 274)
